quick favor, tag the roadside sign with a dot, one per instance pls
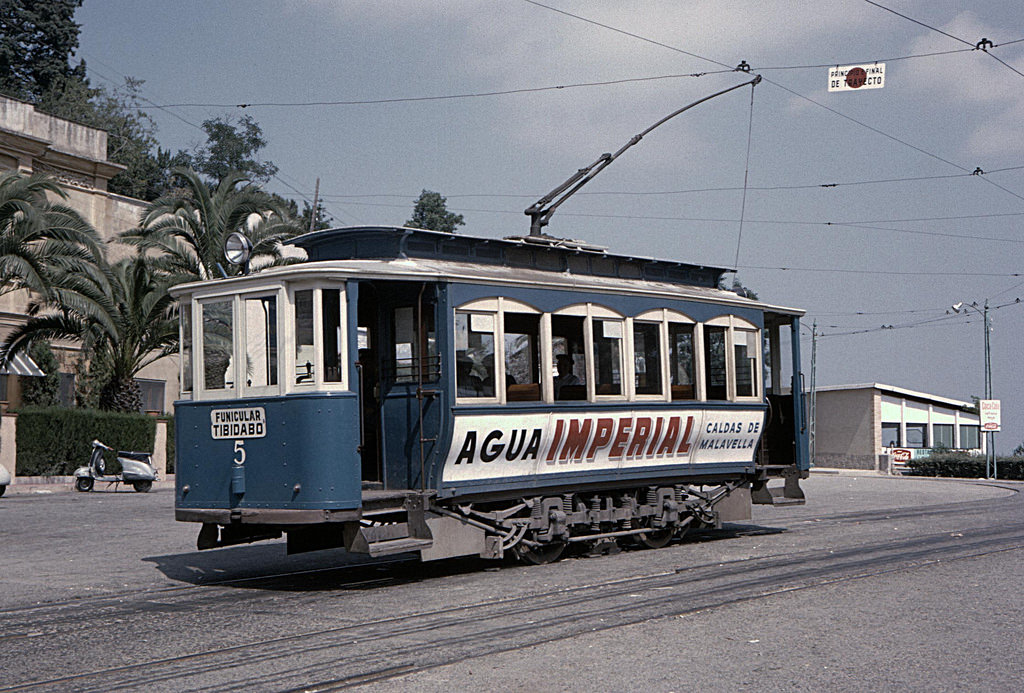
(991, 418)
(901, 455)
(853, 77)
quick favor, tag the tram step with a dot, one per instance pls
(393, 546)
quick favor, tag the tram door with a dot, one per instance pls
(399, 390)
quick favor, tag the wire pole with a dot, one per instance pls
(990, 453)
(814, 390)
(316, 202)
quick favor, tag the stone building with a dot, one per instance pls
(76, 155)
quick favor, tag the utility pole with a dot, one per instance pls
(990, 453)
(316, 202)
(814, 389)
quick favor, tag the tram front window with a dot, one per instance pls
(260, 341)
(305, 354)
(522, 357)
(474, 354)
(218, 369)
(567, 351)
(331, 304)
(647, 357)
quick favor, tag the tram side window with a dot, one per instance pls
(522, 357)
(305, 355)
(745, 346)
(714, 363)
(567, 350)
(681, 361)
(474, 354)
(260, 315)
(608, 356)
(218, 369)
(186, 347)
(647, 357)
(332, 339)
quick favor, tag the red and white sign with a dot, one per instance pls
(854, 77)
(901, 455)
(506, 446)
(991, 418)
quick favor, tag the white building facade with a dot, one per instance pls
(870, 426)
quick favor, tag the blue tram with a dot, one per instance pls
(407, 390)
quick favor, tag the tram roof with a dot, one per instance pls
(367, 263)
(544, 253)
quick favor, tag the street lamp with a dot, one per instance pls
(990, 453)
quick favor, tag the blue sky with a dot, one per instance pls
(860, 255)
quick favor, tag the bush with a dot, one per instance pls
(44, 391)
(963, 466)
(55, 441)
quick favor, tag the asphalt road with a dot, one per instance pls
(875, 584)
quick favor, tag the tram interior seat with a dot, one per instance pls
(523, 393)
(682, 392)
(572, 392)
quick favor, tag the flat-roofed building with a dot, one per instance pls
(871, 425)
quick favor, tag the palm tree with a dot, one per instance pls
(37, 236)
(187, 229)
(122, 315)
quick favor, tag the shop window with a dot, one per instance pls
(647, 357)
(890, 435)
(522, 357)
(715, 382)
(474, 354)
(970, 437)
(218, 368)
(152, 395)
(607, 356)
(942, 435)
(681, 361)
(568, 357)
(917, 435)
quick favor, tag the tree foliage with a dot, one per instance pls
(431, 212)
(122, 315)
(40, 241)
(232, 147)
(42, 391)
(37, 40)
(187, 229)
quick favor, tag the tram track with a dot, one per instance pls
(371, 650)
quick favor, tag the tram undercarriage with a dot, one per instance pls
(537, 529)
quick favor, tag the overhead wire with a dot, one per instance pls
(166, 109)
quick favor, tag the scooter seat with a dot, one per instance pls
(140, 456)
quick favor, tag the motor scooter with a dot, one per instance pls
(136, 469)
(5, 479)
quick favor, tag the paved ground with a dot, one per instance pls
(875, 584)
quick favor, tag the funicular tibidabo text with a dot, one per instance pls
(409, 390)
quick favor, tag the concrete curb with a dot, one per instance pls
(45, 485)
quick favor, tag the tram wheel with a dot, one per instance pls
(539, 555)
(83, 483)
(656, 539)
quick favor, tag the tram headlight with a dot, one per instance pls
(237, 248)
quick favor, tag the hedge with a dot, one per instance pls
(54, 441)
(965, 466)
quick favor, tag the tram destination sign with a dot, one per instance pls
(238, 423)
(855, 77)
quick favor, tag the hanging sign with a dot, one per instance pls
(990, 415)
(853, 77)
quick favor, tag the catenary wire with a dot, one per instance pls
(915, 21)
